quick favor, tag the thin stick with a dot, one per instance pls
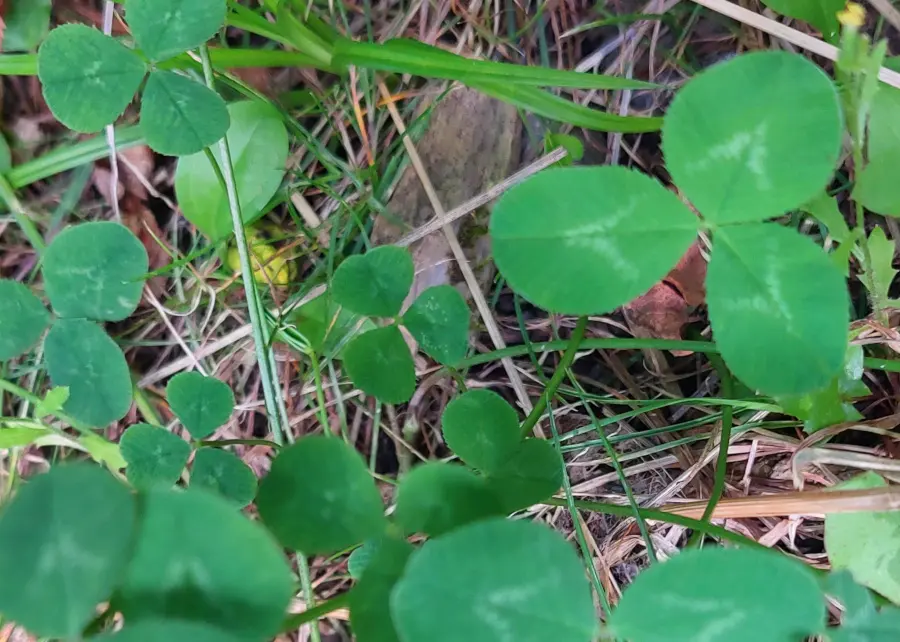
(796, 503)
(482, 199)
(108, 13)
(798, 38)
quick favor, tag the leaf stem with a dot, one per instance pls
(322, 609)
(260, 329)
(568, 357)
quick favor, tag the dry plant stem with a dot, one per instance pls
(459, 255)
(108, 13)
(820, 502)
(276, 412)
(294, 622)
(783, 32)
(560, 373)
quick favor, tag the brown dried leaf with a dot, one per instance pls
(140, 220)
(664, 310)
(689, 276)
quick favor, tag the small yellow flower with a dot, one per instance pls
(853, 15)
(267, 267)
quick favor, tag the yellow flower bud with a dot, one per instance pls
(267, 268)
(853, 15)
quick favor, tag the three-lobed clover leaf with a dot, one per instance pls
(754, 137)
(83, 358)
(375, 283)
(585, 240)
(23, 319)
(95, 271)
(661, 605)
(196, 558)
(165, 28)
(532, 473)
(319, 497)
(482, 429)
(482, 581)
(259, 145)
(201, 403)
(776, 333)
(223, 473)
(434, 498)
(439, 320)
(179, 116)
(64, 538)
(88, 78)
(154, 455)
(378, 363)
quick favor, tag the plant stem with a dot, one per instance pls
(260, 328)
(306, 585)
(8, 196)
(320, 395)
(294, 622)
(560, 373)
(724, 441)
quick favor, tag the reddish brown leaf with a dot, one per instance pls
(664, 310)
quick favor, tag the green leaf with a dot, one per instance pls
(179, 116)
(27, 22)
(96, 271)
(18, 436)
(82, 357)
(529, 476)
(544, 103)
(325, 325)
(434, 498)
(223, 472)
(64, 538)
(258, 142)
(620, 227)
(481, 583)
(23, 319)
(154, 455)
(378, 363)
(167, 631)
(201, 403)
(866, 543)
(413, 57)
(821, 14)
(439, 320)
(370, 614)
(881, 270)
(52, 403)
(375, 283)
(831, 405)
(574, 147)
(93, 93)
(763, 310)
(165, 28)
(360, 557)
(825, 210)
(683, 600)
(767, 142)
(482, 429)
(877, 187)
(857, 603)
(319, 498)
(102, 451)
(197, 558)
(879, 627)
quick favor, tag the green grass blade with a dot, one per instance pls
(413, 57)
(18, 65)
(545, 104)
